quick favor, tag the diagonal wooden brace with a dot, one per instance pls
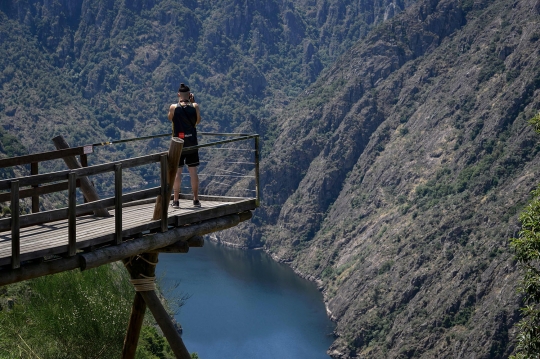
(143, 266)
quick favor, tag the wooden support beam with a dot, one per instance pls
(158, 240)
(178, 247)
(166, 324)
(181, 246)
(143, 266)
(87, 189)
(138, 267)
(84, 160)
(35, 270)
(129, 248)
(134, 327)
(196, 241)
(173, 158)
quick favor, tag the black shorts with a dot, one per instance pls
(190, 158)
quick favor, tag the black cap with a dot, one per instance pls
(183, 88)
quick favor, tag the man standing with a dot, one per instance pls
(185, 116)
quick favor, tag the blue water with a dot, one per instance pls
(244, 305)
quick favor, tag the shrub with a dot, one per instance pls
(527, 249)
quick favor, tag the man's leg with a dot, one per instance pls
(177, 183)
(194, 182)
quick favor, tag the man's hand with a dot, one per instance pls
(191, 97)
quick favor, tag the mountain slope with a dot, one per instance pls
(396, 179)
(127, 58)
(98, 70)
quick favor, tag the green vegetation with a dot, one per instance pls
(10, 145)
(73, 315)
(527, 249)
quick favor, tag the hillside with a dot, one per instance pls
(117, 64)
(92, 71)
(411, 157)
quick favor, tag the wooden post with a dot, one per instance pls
(15, 226)
(164, 193)
(137, 266)
(87, 189)
(140, 268)
(84, 160)
(257, 179)
(175, 150)
(84, 163)
(34, 170)
(134, 327)
(72, 214)
(118, 203)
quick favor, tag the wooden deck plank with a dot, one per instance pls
(88, 223)
(52, 238)
(86, 226)
(56, 233)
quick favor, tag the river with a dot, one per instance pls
(244, 305)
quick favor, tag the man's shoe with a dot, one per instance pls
(196, 203)
(176, 204)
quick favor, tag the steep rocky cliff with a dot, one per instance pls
(396, 178)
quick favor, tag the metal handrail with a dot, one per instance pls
(106, 143)
(82, 150)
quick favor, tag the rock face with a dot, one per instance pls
(397, 176)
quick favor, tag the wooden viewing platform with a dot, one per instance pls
(49, 240)
(128, 227)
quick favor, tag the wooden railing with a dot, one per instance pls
(16, 221)
(39, 184)
(33, 160)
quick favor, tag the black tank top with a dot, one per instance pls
(184, 120)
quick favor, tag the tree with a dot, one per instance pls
(527, 249)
